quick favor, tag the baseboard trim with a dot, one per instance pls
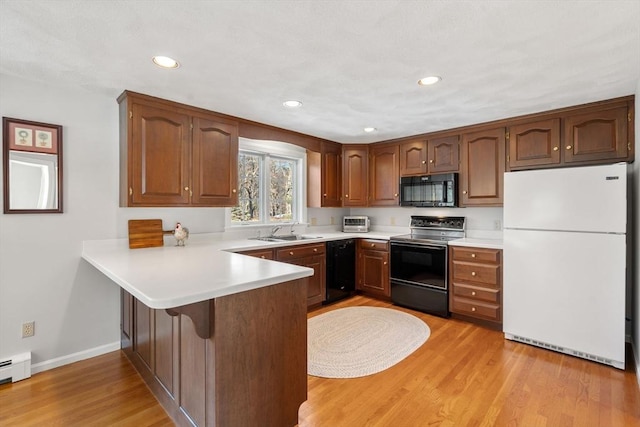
(74, 357)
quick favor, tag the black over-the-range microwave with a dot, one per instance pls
(429, 190)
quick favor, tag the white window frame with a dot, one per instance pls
(283, 150)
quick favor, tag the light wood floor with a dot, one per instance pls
(464, 375)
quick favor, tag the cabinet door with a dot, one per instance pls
(331, 175)
(159, 157)
(384, 175)
(413, 158)
(483, 164)
(534, 144)
(215, 163)
(316, 287)
(354, 175)
(444, 154)
(373, 272)
(600, 135)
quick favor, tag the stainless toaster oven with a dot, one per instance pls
(355, 224)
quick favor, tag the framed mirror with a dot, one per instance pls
(32, 166)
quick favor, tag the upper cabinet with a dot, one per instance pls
(599, 135)
(171, 155)
(355, 161)
(331, 180)
(594, 134)
(422, 156)
(483, 165)
(384, 175)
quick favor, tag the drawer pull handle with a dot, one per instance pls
(373, 245)
(315, 249)
(473, 255)
(473, 293)
(473, 309)
(473, 273)
(291, 253)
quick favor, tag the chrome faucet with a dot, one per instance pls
(275, 229)
(293, 224)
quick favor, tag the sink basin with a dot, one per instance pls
(284, 238)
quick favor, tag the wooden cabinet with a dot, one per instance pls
(175, 155)
(331, 175)
(533, 144)
(482, 169)
(312, 256)
(372, 268)
(597, 136)
(355, 161)
(444, 154)
(384, 175)
(260, 253)
(437, 155)
(219, 379)
(475, 284)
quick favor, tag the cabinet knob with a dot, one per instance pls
(324, 195)
(346, 195)
(473, 309)
(424, 162)
(569, 147)
(384, 263)
(473, 255)
(431, 161)
(373, 245)
(473, 273)
(464, 191)
(395, 195)
(555, 148)
(186, 188)
(291, 253)
(473, 293)
(234, 190)
(315, 249)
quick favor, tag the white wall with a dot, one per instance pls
(42, 276)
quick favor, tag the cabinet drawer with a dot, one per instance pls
(375, 245)
(476, 293)
(476, 254)
(477, 309)
(472, 272)
(301, 251)
(260, 253)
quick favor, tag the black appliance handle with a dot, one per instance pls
(421, 245)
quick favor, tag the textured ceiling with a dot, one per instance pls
(352, 63)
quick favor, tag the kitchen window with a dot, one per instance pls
(270, 183)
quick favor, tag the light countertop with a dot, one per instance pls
(206, 268)
(477, 242)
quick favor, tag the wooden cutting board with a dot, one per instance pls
(145, 233)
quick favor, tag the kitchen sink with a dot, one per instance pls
(284, 238)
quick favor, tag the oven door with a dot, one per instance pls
(419, 264)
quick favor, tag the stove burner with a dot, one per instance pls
(433, 230)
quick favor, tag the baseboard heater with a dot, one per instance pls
(15, 368)
(569, 351)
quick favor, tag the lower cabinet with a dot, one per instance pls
(312, 256)
(210, 363)
(372, 268)
(475, 284)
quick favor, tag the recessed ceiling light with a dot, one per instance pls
(369, 129)
(292, 104)
(165, 62)
(429, 80)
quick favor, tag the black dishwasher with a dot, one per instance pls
(341, 269)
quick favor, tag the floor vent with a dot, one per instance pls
(15, 368)
(565, 350)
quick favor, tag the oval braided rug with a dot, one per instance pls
(358, 341)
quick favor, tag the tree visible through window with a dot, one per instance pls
(266, 189)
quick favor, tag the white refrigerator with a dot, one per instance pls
(565, 260)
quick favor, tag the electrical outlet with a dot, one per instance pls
(314, 221)
(28, 329)
(333, 221)
(497, 224)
